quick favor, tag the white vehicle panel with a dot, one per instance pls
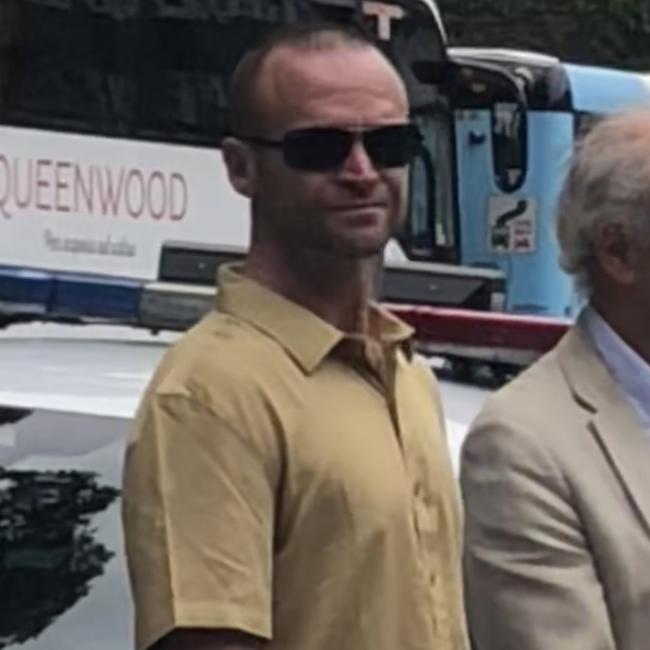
(101, 205)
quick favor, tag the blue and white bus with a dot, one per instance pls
(512, 150)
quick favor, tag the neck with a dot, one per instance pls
(338, 290)
(622, 316)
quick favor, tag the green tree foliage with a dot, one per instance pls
(614, 33)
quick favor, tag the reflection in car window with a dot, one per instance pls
(62, 570)
(48, 554)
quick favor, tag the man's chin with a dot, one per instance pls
(361, 248)
(352, 243)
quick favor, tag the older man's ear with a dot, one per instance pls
(616, 253)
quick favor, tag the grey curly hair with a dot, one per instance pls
(608, 182)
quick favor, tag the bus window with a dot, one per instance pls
(8, 35)
(509, 136)
(584, 122)
(62, 69)
(431, 231)
(432, 226)
(161, 69)
(153, 70)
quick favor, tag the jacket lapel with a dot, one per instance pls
(611, 419)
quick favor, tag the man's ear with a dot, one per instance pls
(240, 163)
(616, 253)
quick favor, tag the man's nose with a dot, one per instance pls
(358, 166)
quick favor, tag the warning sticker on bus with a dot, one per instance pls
(512, 224)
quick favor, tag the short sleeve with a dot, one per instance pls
(198, 511)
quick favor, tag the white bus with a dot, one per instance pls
(111, 114)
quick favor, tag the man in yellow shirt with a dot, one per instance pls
(288, 483)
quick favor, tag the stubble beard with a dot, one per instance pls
(300, 233)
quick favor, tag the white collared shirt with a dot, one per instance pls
(631, 372)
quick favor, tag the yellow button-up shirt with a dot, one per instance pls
(293, 482)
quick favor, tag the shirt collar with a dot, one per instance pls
(305, 336)
(632, 373)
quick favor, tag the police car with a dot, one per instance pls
(67, 396)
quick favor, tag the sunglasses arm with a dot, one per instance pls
(261, 142)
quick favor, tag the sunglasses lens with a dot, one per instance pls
(316, 150)
(324, 149)
(393, 146)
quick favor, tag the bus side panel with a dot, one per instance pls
(514, 232)
(89, 204)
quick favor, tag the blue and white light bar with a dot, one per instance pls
(174, 306)
(24, 292)
(96, 298)
(478, 336)
(45, 295)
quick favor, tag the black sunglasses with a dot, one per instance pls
(321, 149)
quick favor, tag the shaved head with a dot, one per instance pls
(254, 78)
(318, 78)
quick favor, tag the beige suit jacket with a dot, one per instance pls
(556, 479)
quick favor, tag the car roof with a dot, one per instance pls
(102, 370)
(95, 370)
